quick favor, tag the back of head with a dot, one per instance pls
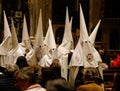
(21, 62)
(59, 84)
(30, 73)
(92, 74)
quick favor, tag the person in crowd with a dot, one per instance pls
(21, 62)
(7, 80)
(90, 78)
(116, 82)
(52, 72)
(26, 79)
(59, 84)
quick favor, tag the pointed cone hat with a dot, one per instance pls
(83, 28)
(87, 47)
(25, 35)
(6, 27)
(39, 33)
(67, 41)
(14, 35)
(49, 38)
(6, 44)
(92, 36)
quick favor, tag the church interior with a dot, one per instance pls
(107, 10)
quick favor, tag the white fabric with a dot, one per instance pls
(88, 48)
(40, 52)
(39, 33)
(31, 57)
(14, 54)
(3, 59)
(49, 38)
(77, 56)
(92, 36)
(5, 46)
(25, 35)
(26, 45)
(16, 51)
(46, 60)
(72, 74)
(67, 41)
(14, 35)
(37, 89)
(39, 47)
(64, 66)
(84, 54)
(66, 46)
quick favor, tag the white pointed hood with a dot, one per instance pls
(77, 56)
(83, 28)
(39, 33)
(5, 46)
(39, 47)
(67, 41)
(14, 35)
(87, 48)
(92, 36)
(25, 35)
(16, 50)
(49, 38)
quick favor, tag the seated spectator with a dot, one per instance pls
(26, 79)
(59, 84)
(21, 62)
(90, 79)
(7, 81)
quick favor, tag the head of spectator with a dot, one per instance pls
(21, 62)
(52, 72)
(91, 74)
(59, 84)
(26, 78)
(56, 68)
(38, 72)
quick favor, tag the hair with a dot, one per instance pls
(30, 73)
(21, 62)
(59, 84)
(92, 74)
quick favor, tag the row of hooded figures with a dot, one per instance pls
(44, 50)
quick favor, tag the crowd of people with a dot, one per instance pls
(25, 77)
(43, 67)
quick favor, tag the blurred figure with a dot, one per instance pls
(59, 84)
(116, 82)
(7, 81)
(91, 79)
(52, 72)
(26, 79)
(104, 56)
(21, 62)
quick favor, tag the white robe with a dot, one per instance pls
(46, 61)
